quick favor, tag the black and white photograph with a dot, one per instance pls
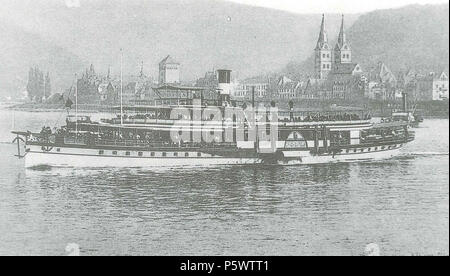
(219, 128)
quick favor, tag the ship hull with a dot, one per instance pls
(341, 158)
(76, 157)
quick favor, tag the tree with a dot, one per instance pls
(48, 86)
(38, 87)
(31, 85)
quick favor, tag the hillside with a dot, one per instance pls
(21, 50)
(410, 37)
(201, 34)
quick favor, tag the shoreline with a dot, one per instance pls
(32, 107)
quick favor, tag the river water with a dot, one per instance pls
(400, 204)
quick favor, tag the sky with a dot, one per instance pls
(334, 6)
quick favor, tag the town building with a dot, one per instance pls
(335, 74)
(432, 87)
(383, 84)
(169, 71)
(168, 94)
(244, 89)
(323, 54)
(286, 88)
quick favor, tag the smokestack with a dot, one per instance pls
(225, 87)
(224, 77)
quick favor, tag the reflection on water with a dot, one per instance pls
(400, 204)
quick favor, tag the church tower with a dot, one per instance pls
(342, 50)
(322, 54)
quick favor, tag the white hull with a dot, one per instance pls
(76, 157)
(33, 159)
(351, 157)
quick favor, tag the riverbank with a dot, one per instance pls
(42, 107)
(428, 109)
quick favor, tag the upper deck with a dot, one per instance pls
(160, 116)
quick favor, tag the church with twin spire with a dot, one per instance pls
(333, 66)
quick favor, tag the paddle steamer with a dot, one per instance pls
(143, 136)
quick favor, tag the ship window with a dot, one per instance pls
(164, 154)
(175, 154)
(186, 154)
(347, 151)
(383, 147)
(362, 150)
(140, 153)
(152, 154)
(127, 153)
(369, 149)
(101, 152)
(376, 148)
(58, 149)
(354, 150)
(199, 154)
(114, 152)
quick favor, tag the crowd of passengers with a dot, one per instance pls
(144, 116)
(309, 118)
(327, 117)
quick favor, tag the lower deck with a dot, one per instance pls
(36, 155)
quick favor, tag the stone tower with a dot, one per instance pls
(323, 57)
(169, 71)
(342, 50)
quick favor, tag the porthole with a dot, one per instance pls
(186, 154)
(164, 154)
(101, 152)
(152, 154)
(199, 154)
(114, 152)
(127, 153)
(58, 149)
(140, 154)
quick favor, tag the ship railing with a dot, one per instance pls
(372, 141)
(313, 123)
(75, 141)
(281, 122)
(152, 144)
(139, 121)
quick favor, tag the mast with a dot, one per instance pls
(76, 105)
(43, 96)
(121, 87)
